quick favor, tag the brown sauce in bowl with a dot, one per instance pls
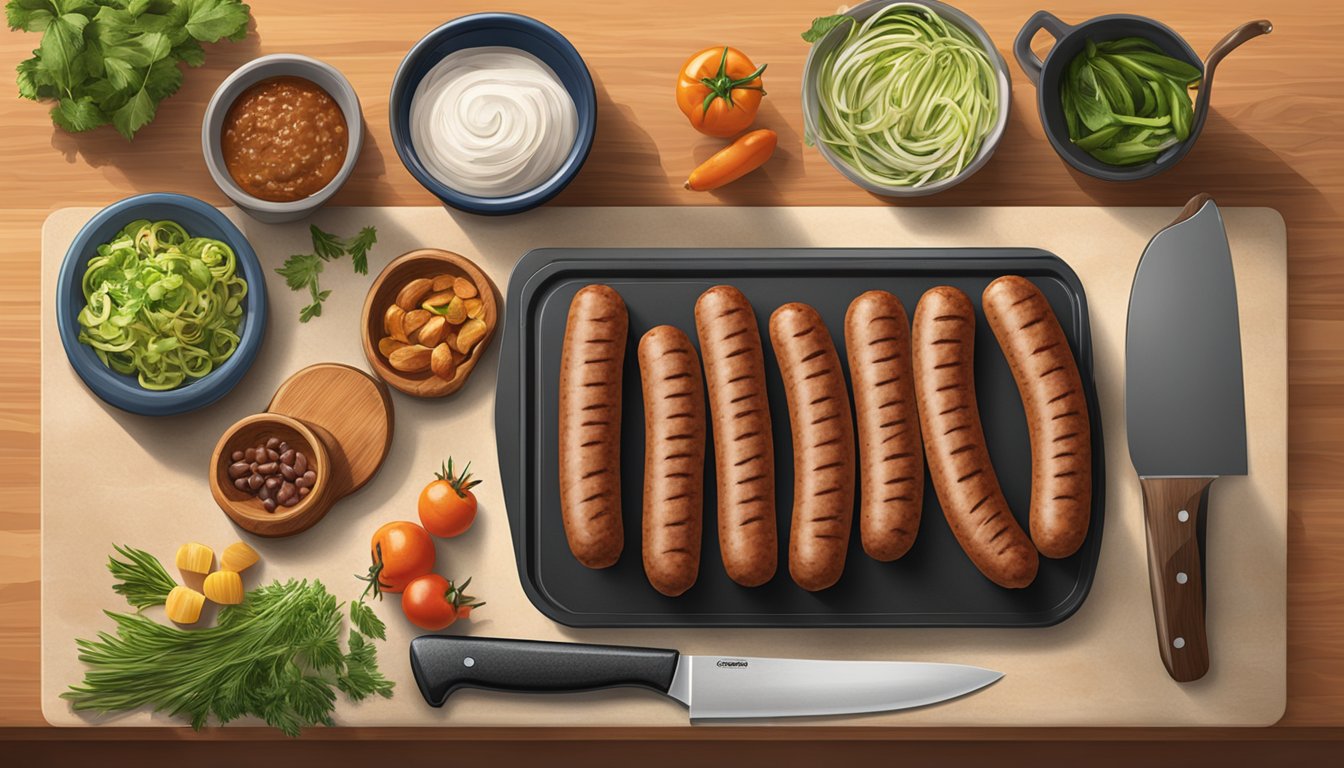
(284, 139)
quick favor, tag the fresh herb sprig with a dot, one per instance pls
(302, 269)
(113, 61)
(276, 656)
(141, 578)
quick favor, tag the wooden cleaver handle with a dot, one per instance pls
(1171, 515)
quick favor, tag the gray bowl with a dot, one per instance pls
(325, 76)
(812, 106)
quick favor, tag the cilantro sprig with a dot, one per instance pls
(113, 61)
(302, 269)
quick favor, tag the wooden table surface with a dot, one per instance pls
(1273, 139)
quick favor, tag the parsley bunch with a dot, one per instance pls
(276, 656)
(113, 61)
(301, 270)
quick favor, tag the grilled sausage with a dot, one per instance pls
(954, 442)
(674, 458)
(891, 456)
(744, 456)
(1052, 394)
(591, 362)
(823, 446)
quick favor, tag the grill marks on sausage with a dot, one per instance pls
(823, 445)
(734, 367)
(674, 418)
(958, 460)
(591, 365)
(1048, 380)
(877, 338)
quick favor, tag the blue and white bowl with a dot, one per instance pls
(494, 29)
(200, 219)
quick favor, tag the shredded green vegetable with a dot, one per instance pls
(908, 98)
(1125, 101)
(162, 304)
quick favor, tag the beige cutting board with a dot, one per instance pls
(108, 477)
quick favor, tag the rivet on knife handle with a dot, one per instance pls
(1171, 513)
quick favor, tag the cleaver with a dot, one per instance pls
(1184, 412)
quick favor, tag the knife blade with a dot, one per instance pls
(1185, 413)
(711, 687)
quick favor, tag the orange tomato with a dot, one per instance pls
(432, 602)
(401, 552)
(719, 90)
(734, 161)
(447, 506)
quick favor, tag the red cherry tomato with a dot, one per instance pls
(432, 602)
(447, 505)
(401, 552)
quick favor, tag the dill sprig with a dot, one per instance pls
(276, 656)
(141, 578)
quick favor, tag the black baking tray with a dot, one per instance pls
(934, 585)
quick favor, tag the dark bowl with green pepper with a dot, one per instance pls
(1126, 159)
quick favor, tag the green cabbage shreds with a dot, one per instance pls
(161, 304)
(908, 98)
(1125, 101)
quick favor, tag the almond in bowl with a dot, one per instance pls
(428, 318)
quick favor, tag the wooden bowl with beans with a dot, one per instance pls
(271, 474)
(428, 319)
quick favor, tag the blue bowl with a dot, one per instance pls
(199, 219)
(494, 29)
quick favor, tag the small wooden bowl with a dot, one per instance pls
(246, 510)
(426, 262)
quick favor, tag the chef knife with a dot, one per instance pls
(712, 687)
(1185, 413)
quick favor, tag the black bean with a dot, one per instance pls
(254, 481)
(239, 469)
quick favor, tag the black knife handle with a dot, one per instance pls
(445, 663)
(1171, 508)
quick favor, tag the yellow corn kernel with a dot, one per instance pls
(238, 557)
(184, 605)
(224, 587)
(195, 558)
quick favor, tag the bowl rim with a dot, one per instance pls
(522, 201)
(321, 464)
(1091, 166)
(262, 68)
(1003, 79)
(116, 389)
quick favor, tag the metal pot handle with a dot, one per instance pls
(1026, 58)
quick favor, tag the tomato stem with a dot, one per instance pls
(375, 570)
(721, 86)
